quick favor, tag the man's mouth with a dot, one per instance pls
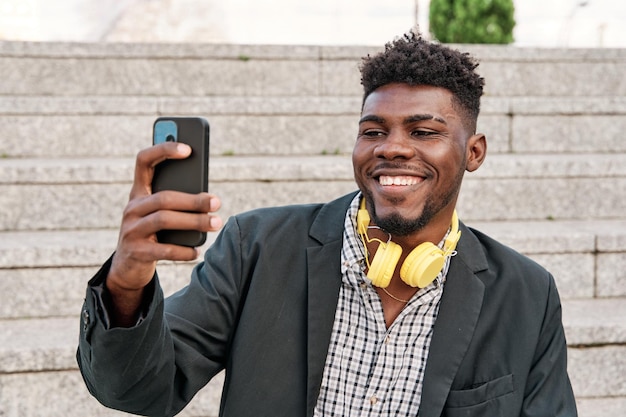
(401, 180)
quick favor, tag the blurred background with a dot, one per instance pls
(539, 23)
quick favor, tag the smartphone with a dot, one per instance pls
(189, 175)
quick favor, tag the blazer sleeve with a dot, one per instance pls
(124, 367)
(548, 391)
(156, 367)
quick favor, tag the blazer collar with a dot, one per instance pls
(460, 307)
(328, 224)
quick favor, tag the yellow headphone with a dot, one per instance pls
(420, 267)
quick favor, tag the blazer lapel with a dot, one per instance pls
(458, 314)
(324, 281)
(323, 296)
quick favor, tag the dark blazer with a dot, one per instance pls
(262, 306)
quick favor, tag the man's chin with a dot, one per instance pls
(398, 225)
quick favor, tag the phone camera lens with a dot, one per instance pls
(170, 138)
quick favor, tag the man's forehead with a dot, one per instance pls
(415, 102)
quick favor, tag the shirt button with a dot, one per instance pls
(373, 400)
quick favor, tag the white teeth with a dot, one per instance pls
(402, 180)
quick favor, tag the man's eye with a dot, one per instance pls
(372, 133)
(423, 133)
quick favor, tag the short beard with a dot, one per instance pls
(397, 225)
(400, 226)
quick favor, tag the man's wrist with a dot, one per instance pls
(124, 305)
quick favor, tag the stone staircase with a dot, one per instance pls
(283, 121)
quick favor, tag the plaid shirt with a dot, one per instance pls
(372, 370)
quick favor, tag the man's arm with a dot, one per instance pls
(125, 350)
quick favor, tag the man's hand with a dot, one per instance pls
(138, 250)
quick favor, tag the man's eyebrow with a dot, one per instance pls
(371, 118)
(410, 119)
(422, 117)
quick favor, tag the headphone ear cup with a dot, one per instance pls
(422, 265)
(384, 264)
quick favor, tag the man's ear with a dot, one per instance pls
(476, 151)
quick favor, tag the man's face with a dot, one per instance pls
(410, 156)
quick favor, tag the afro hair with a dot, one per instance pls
(414, 61)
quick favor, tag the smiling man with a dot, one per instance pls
(380, 303)
(409, 159)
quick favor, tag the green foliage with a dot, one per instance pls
(472, 21)
(337, 151)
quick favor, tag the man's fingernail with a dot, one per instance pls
(215, 222)
(183, 148)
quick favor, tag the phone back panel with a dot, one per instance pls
(190, 175)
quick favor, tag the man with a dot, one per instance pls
(379, 303)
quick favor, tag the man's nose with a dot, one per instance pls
(395, 145)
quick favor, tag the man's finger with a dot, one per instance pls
(151, 251)
(172, 201)
(150, 157)
(173, 220)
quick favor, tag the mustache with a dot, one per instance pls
(400, 166)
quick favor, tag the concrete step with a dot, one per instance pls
(118, 126)
(40, 354)
(249, 70)
(601, 407)
(70, 194)
(44, 273)
(63, 394)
